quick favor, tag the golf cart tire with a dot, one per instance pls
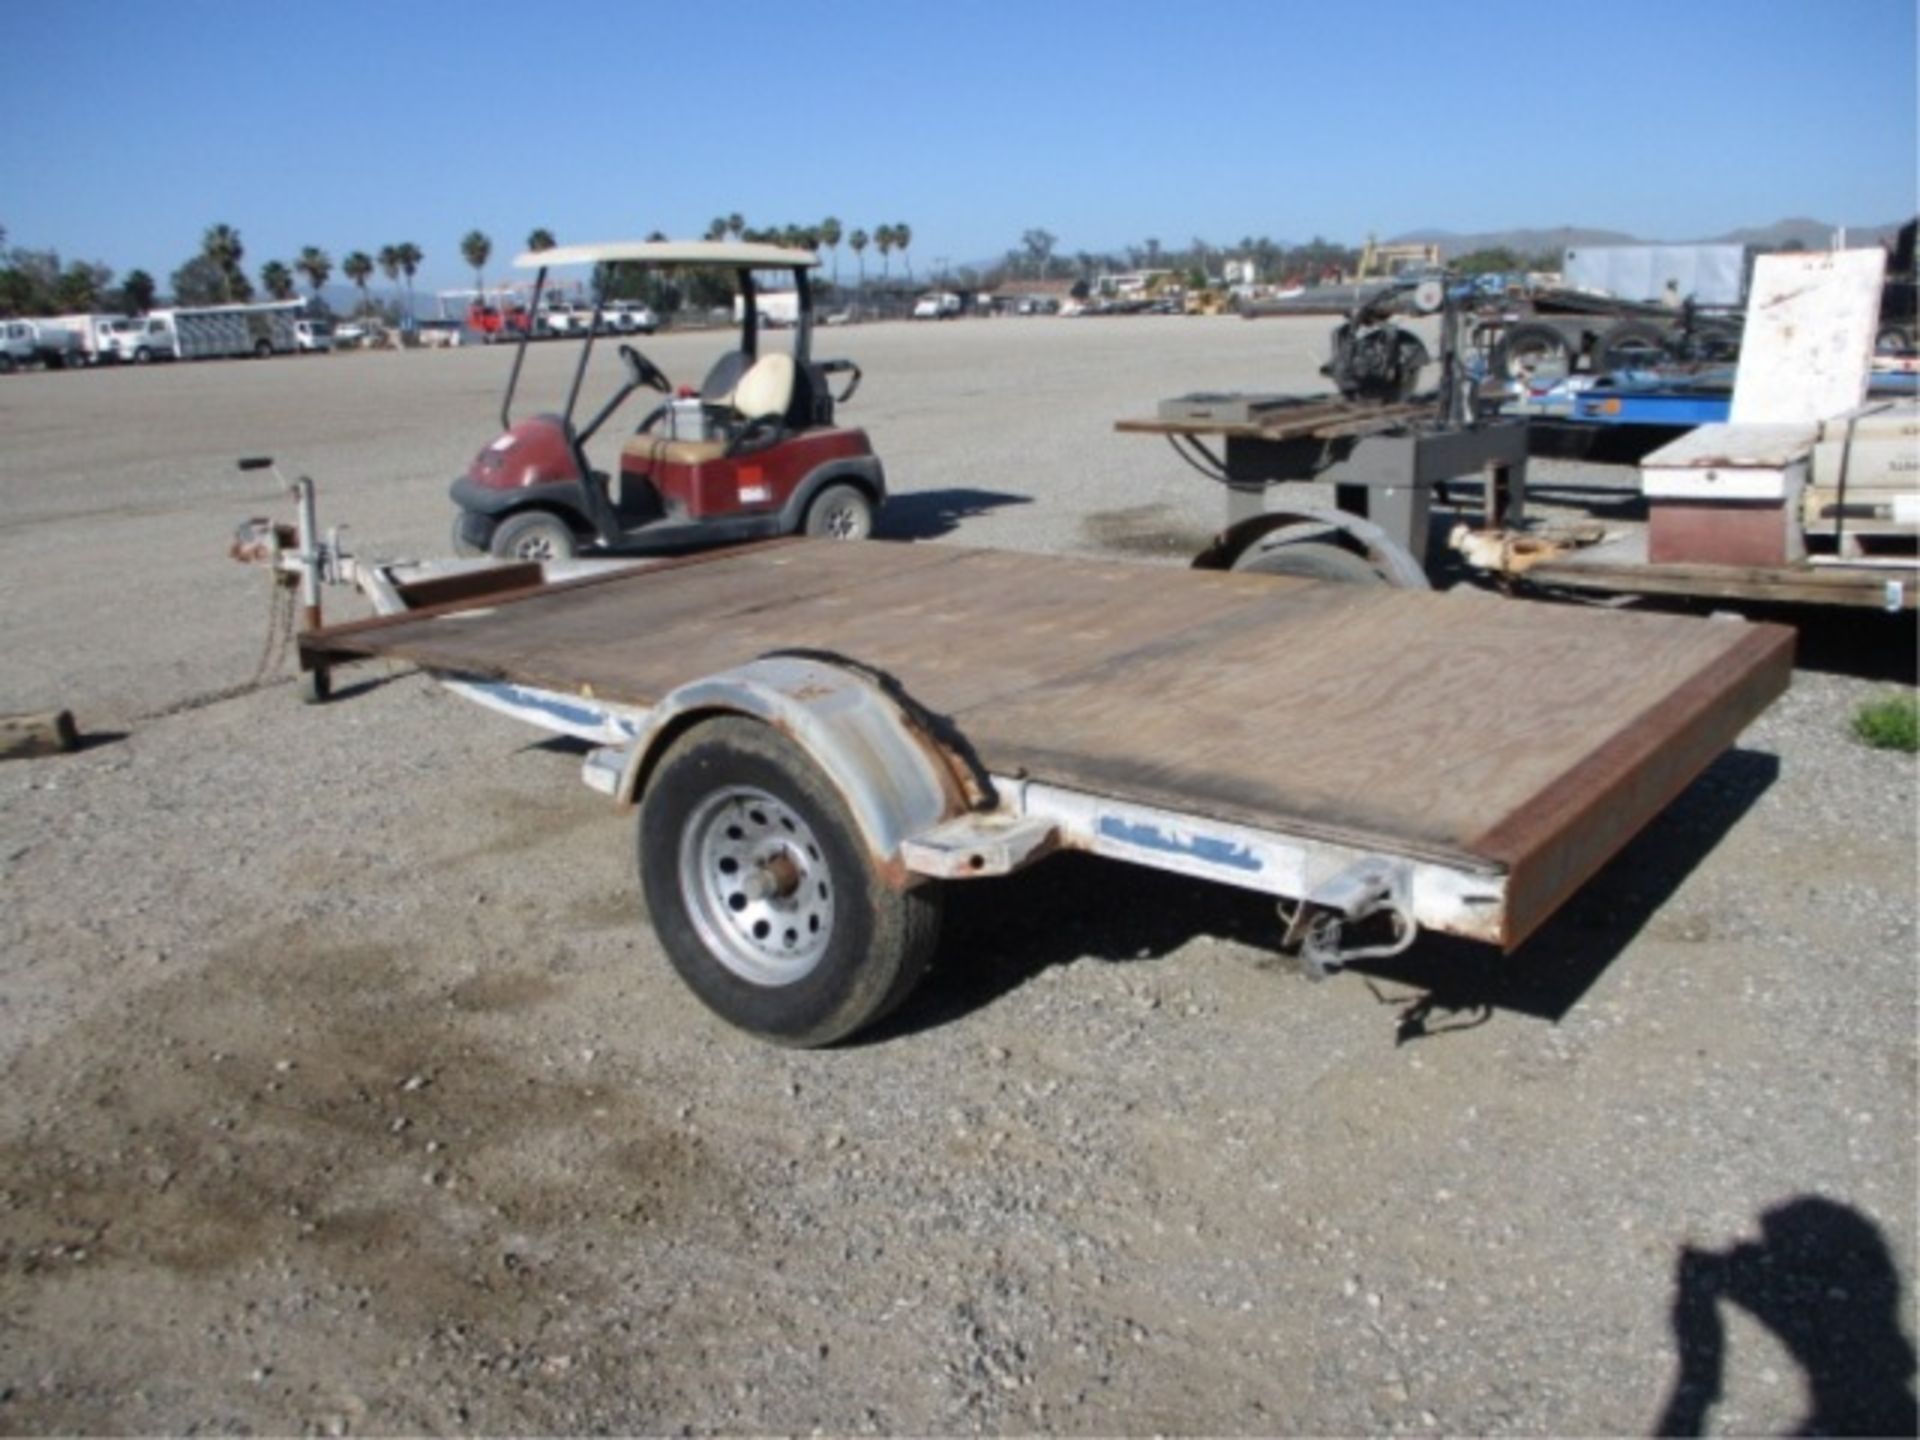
(840, 512)
(1309, 560)
(733, 786)
(533, 535)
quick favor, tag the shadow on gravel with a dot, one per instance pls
(929, 514)
(1000, 934)
(1820, 1277)
(1459, 985)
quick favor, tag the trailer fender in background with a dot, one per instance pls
(896, 777)
(1361, 536)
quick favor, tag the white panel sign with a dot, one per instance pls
(1809, 336)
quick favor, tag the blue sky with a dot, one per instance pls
(134, 125)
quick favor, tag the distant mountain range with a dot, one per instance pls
(1811, 235)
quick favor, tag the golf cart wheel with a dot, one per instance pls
(533, 535)
(840, 512)
(1527, 351)
(763, 894)
(1309, 560)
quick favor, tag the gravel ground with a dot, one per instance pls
(343, 1090)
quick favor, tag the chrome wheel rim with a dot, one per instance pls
(757, 886)
(844, 522)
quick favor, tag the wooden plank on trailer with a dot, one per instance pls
(1409, 721)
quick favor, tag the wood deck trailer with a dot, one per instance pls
(816, 733)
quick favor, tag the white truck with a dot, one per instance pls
(937, 305)
(209, 332)
(141, 339)
(48, 343)
(94, 333)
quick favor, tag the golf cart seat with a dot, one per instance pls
(762, 398)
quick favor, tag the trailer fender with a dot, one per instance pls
(897, 778)
(1361, 536)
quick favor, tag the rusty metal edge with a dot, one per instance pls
(1555, 844)
(335, 642)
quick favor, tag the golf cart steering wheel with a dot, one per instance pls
(644, 372)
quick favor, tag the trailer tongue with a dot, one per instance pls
(814, 732)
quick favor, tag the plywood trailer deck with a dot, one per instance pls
(1376, 758)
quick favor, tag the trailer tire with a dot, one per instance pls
(762, 893)
(1630, 343)
(263, 350)
(533, 535)
(1524, 348)
(840, 512)
(1309, 560)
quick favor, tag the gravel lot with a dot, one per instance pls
(344, 1092)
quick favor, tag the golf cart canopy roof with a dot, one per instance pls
(729, 253)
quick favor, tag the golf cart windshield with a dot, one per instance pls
(741, 259)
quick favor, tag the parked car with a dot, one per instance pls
(629, 317)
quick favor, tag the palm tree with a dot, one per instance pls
(883, 242)
(221, 245)
(735, 224)
(857, 242)
(903, 237)
(277, 280)
(409, 256)
(717, 230)
(316, 265)
(138, 288)
(389, 258)
(830, 237)
(475, 249)
(357, 267)
(541, 239)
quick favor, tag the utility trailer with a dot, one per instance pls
(818, 735)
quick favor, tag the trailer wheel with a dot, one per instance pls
(263, 349)
(1629, 345)
(1528, 350)
(533, 535)
(763, 895)
(840, 512)
(1309, 560)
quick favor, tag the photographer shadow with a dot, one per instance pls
(1821, 1278)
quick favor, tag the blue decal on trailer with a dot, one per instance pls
(545, 702)
(1201, 847)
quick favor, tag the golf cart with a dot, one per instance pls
(753, 452)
